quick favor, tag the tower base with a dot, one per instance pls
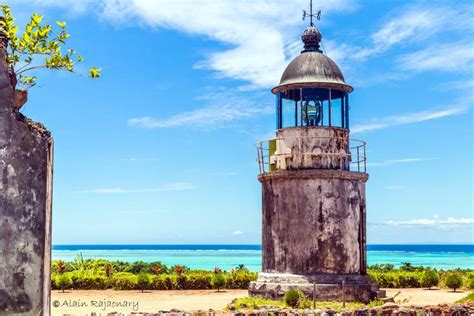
(356, 287)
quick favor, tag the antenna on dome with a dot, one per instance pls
(317, 15)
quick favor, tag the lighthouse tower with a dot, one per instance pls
(313, 186)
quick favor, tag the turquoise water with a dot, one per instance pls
(228, 256)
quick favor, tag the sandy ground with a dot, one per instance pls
(425, 297)
(83, 302)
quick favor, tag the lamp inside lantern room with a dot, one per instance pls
(308, 107)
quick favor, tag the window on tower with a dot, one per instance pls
(306, 107)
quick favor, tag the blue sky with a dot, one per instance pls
(160, 149)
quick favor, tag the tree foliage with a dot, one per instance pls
(37, 47)
(429, 278)
(63, 281)
(218, 281)
(143, 281)
(454, 281)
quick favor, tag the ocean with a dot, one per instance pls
(229, 256)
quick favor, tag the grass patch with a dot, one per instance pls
(256, 302)
(467, 299)
(246, 303)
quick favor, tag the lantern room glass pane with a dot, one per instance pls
(336, 110)
(312, 107)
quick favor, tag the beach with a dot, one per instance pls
(152, 301)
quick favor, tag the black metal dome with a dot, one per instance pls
(312, 68)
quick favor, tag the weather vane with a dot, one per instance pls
(311, 14)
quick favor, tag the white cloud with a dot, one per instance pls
(463, 84)
(397, 161)
(408, 26)
(224, 106)
(408, 118)
(416, 23)
(237, 232)
(434, 222)
(251, 28)
(456, 57)
(166, 187)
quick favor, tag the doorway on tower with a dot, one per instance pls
(362, 240)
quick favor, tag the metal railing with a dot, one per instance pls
(352, 157)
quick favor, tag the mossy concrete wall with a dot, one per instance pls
(26, 159)
(312, 221)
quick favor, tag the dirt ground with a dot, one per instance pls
(126, 302)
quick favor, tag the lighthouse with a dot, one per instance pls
(313, 178)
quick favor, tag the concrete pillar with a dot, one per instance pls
(26, 169)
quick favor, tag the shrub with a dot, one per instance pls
(242, 279)
(429, 278)
(408, 279)
(138, 267)
(293, 297)
(454, 281)
(108, 269)
(199, 280)
(63, 281)
(60, 266)
(305, 302)
(181, 282)
(124, 281)
(144, 281)
(161, 282)
(157, 268)
(179, 269)
(89, 282)
(471, 283)
(218, 281)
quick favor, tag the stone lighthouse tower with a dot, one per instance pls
(313, 181)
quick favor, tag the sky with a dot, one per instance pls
(160, 149)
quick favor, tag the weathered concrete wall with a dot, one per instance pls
(25, 207)
(311, 221)
(312, 148)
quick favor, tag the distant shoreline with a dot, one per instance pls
(470, 247)
(227, 256)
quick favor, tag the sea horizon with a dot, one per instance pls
(228, 256)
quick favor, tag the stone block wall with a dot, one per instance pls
(26, 164)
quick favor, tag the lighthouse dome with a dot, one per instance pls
(312, 68)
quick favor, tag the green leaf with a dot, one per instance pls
(38, 43)
(95, 72)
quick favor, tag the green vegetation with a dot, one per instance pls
(429, 278)
(454, 281)
(38, 47)
(63, 281)
(409, 276)
(467, 299)
(303, 302)
(218, 280)
(88, 274)
(256, 302)
(293, 298)
(143, 281)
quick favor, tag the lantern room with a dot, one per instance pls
(312, 91)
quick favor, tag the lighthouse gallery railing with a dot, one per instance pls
(353, 160)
